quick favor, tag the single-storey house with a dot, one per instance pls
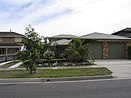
(10, 43)
(60, 46)
(104, 46)
(61, 36)
(125, 32)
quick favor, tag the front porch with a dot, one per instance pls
(9, 53)
(8, 50)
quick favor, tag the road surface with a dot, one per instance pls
(79, 89)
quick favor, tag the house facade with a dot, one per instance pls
(10, 43)
(104, 46)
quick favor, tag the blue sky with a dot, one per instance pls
(53, 17)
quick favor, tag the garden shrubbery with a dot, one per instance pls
(37, 52)
(60, 62)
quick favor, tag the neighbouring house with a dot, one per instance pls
(104, 46)
(59, 46)
(60, 42)
(125, 32)
(10, 43)
(61, 36)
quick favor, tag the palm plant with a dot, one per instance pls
(78, 51)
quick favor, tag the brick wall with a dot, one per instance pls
(127, 44)
(105, 50)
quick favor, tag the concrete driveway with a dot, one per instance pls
(120, 68)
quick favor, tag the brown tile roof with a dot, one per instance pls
(10, 34)
(11, 44)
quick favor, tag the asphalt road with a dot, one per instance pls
(86, 89)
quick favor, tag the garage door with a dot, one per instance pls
(116, 51)
(96, 49)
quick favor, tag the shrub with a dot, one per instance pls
(30, 66)
(78, 51)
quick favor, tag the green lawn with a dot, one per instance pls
(53, 73)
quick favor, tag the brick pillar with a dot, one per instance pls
(105, 50)
(127, 44)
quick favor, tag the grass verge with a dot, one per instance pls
(55, 73)
(10, 64)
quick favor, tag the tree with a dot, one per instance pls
(32, 48)
(78, 51)
(44, 48)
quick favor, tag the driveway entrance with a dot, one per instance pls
(120, 68)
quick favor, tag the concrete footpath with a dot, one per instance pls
(16, 65)
(1, 64)
(17, 80)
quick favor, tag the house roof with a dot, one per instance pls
(125, 32)
(102, 36)
(61, 42)
(11, 44)
(10, 34)
(127, 29)
(64, 36)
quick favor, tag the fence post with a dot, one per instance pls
(5, 57)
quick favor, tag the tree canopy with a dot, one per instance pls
(32, 48)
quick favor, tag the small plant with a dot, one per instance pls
(30, 66)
